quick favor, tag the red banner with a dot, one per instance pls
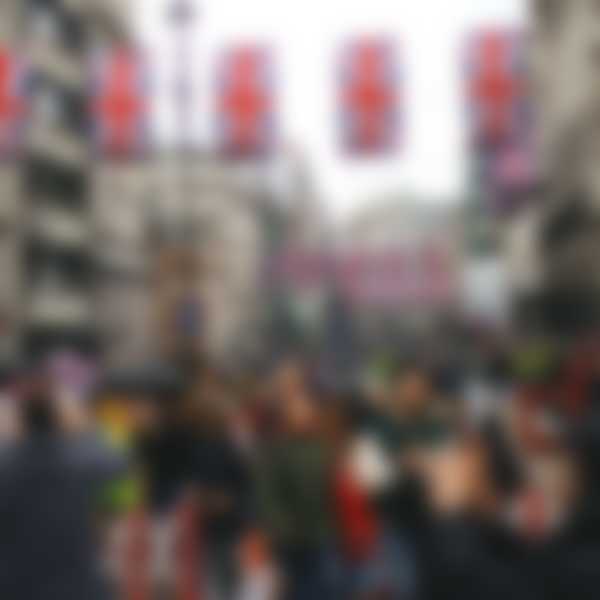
(12, 102)
(368, 96)
(426, 275)
(119, 102)
(246, 120)
(496, 86)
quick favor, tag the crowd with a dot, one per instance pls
(434, 481)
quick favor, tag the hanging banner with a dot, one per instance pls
(496, 87)
(426, 275)
(501, 119)
(246, 104)
(368, 96)
(120, 109)
(13, 102)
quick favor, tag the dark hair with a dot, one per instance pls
(38, 414)
(505, 469)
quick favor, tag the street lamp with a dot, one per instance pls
(181, 14)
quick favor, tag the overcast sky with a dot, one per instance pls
(304, 35)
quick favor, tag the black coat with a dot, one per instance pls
(468, 559)
(219, 467)
(48, 489)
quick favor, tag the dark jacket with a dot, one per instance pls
(468, 559)
(167, 461)
(220, 468)
(471, 559)
(48, 489)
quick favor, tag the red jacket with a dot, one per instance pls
(356, 517)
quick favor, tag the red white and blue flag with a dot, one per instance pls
(13, 102)
(246, 103)
(496, 87)
(120, 102)
(369, 96)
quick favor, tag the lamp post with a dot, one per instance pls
(186, 310)
(181, 15)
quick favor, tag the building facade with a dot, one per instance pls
(122, 196)
(563, 227)
(208, 251)
(11, 21)
(58, 244)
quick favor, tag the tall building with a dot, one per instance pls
(123, 194)
(210, 258)
(216, 227)
(58, 244)
(10, 246)
(10, 239)
(563, 237)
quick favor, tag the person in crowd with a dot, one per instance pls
(472, 548)
(401, 434)
(513, 511)
(357, 525)
(411, 418)
(300, 495)
(163, 447)
(223, 490)
(259, 577)
(295, 499)
(163, 444)
(465, 552)
(574, 549)
(50, 479)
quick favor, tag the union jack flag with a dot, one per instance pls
(496, 89)
(368, 96)
(120, 102)
(246, 119)
(13, 102)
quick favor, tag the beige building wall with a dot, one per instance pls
(566, 74)
(217, 208)
(10, 216)
(10, 251)
(552, 248)
(121, 195)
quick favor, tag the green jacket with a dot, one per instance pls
(294, 491)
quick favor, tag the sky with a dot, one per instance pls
(304, 35)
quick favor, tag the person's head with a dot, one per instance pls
(411, 391)
(299, 414)
(210, 402)
(458, 477)
(338, 422)
(38, 409)
(208, 384)
(214, 418)
(144, 413)
(288, 379)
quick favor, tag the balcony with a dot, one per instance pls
(61, 228)
(54, 63)
(51, 308)
(58, 146)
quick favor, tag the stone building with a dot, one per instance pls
(565, 51)
(211, 215)
(58, 263)
(219, 226)
(122, 196)
(10, 239)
